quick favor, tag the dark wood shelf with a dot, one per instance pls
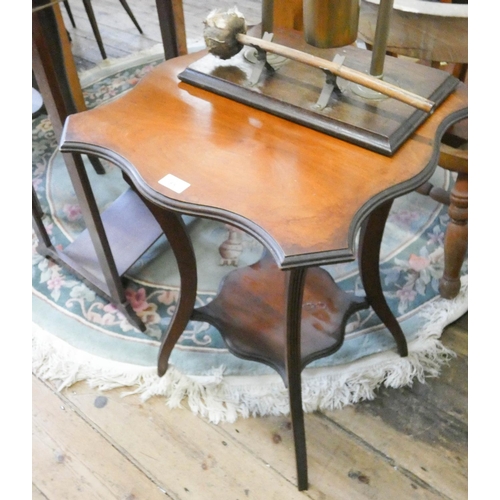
(250, 313)
(130, 228)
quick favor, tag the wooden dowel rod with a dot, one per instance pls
(338, 69)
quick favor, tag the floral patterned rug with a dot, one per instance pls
(78, 335)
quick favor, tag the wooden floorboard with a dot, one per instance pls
(88, 444)
(121, 37)
(72, 459)
(408, 443)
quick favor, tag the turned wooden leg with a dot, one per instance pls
(369, 258)
(296, 280)
(174, 228)
(455, 242)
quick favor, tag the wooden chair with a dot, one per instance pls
(170, 15)
(435, 33)
(93, 22)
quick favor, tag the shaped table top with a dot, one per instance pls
(300, 192)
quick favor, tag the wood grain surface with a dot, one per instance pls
(375, 450)
(300, 192)
(407, 443)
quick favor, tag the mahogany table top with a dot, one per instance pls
(302, 193)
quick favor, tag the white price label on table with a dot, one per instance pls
(174, 183)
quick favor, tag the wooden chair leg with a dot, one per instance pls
(131, 15)
(96, 163)
(455, 242)
(90, 13)
(172, 27)
(460, 71)
(37, 219)
(70, 14)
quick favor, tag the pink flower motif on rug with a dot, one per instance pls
(418, 263)
(72, 212)
(147, 311)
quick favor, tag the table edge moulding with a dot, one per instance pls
(302, 193)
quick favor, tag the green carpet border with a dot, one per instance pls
(225, 399)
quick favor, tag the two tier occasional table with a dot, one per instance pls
(302, 193)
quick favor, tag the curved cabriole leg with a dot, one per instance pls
(455, 242)
(296, 280)
(174, 229)
(369, 257)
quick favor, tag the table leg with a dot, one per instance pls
(37, 216)
(90, 14)
(296, 281)
(174, 229)
(369, 261)
(172, 29)
(97, 233)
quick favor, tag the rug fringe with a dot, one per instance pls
(224, 399)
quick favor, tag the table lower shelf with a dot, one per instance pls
(130, 229)
(250, 312)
